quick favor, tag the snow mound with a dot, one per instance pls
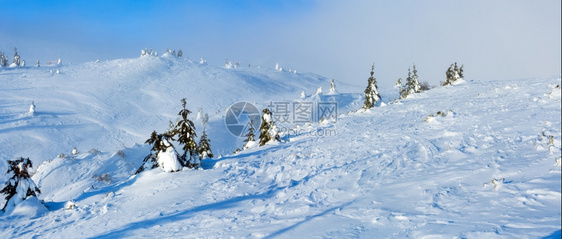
(30, 208)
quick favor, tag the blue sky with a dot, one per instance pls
(337, 39)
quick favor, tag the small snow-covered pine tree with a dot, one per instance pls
(20, 186)
(16, 57)
(180, 54)
(332, 87)
(250, 137)
(268, 130)
(228, 64)
(37, 64)
(3, 60)
(185, 130)
(204, 147)
(398, 83)
(372, 95)
(415, 82)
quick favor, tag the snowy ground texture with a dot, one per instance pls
(484, 167)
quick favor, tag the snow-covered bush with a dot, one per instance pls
(20, 186)
(228, 64)
(32, 108)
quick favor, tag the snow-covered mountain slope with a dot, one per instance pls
(114, 104)
(486, 165)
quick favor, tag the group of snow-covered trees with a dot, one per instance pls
(268, 132)
(411, 86)
(20, 186)
(163, 153)
(16, 62)
(454, 73)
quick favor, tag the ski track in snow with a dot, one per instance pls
(484, 170)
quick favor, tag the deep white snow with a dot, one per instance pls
(471, 160)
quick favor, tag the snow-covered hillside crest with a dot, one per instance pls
(114, 104)
(487, 168)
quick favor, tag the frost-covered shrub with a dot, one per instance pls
(94, 151)
(103, 178)
(20, 186)
(121, 154)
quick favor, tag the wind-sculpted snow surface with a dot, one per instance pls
(486, 164)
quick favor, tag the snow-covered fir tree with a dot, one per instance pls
(228, 64)
(185, 131)
(204, 147)
(180, 54)
(416, 86)
(372, 95)
(250, 141)
(332, 87)
(17, 60)
(162, 154)
(3, 60)
(398, 83)
(37, 64)
(268, 130)
(20, 186)
(412, 84)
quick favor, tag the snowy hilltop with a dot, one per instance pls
(468, 159)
